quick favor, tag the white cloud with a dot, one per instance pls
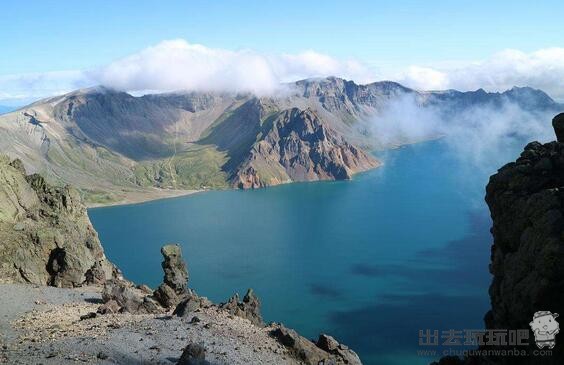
(15, 89)
(542, 69)
(179, 65)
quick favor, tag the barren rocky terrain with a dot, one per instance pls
(43, 325)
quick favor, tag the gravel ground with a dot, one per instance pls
(41, 325)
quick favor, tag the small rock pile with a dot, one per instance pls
(249, 308)
(326, 350)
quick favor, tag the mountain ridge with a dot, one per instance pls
(111, 144)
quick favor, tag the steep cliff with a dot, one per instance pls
(526, 200)
(299, 146)
(46, 237)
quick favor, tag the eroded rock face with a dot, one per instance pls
(299, 146)
(175, 281)
(526, 200)
(249, 308)
(45, 233)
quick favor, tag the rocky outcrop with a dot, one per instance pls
(45, 234)
(193, 354)
(526, 200)
(140, 299)
(299, 146)
(558, 125)
(175, 281)
(249, 308)
(190, 304)
(122, 296)
(342, 353)
(326, 351)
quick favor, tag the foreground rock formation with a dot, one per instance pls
(127, 324)
(526, 201)
(249, 308)
(42, 325)
(175, 281)
(121, 296)
(46, 237)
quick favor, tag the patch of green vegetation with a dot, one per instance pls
(200, 167)
(97, 197)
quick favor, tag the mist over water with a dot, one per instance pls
(482, 138)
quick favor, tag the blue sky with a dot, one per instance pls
(385, 36)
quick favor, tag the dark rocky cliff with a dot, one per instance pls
(526, 201)
(46, 237)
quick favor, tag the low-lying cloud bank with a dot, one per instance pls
(180, 65)
(479, 139)
(542, 69)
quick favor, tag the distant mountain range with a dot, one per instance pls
(111, 144)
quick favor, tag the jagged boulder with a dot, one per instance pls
(341, 352)
(175, 281)
(46, 235)
(325, 351)
(191, 303)
(193, 354)
(249, 308)
(300, 347)
(122, 294)
(558, 125)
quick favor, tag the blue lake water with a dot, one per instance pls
(371, 261)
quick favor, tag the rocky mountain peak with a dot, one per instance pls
(299, 146)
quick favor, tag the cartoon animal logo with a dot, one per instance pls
(545, 327)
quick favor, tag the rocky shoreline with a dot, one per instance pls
(64, 302)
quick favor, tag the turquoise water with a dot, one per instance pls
(371, 261)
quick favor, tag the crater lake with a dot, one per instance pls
(372, 261)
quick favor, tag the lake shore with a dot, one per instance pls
(155, 194)
(144, 196)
